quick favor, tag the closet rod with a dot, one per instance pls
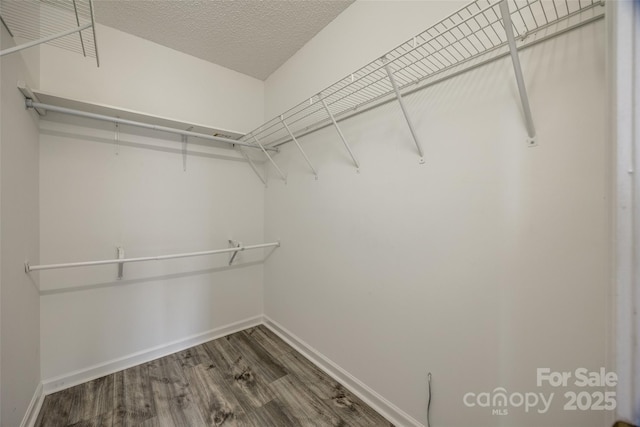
(37, 105)
(29, 268)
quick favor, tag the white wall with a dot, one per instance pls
(20, 306)
(487, 262)
(363, 32)
(139, 75)
(97, 194)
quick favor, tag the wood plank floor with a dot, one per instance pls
(250, 378)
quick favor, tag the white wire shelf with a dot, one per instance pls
(470, 37)
(38, 21)
(41, 96)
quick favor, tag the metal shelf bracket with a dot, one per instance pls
(394, 84)
(513, 50)
(253, 165)
(335, 124)
(234, 244)
(293, 138)
(282, 175)
(185, 142)
(120, 254)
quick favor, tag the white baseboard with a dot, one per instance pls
(357, 387)
(387, 409)
(71, 379)
(33, 409)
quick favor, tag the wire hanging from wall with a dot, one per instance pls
(429, 400)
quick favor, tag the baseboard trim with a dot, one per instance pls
(74, 378)
(383, 406)
(364, 392)
(33, 409)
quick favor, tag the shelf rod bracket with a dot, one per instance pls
(28, 94)
(234, 244)
(253, 165)
(513, 49)
(282, 175)
(392, 79)
(335, 124)
(184, 152)
(299, 147)
(4, 24)
(120, 254)
(43, 40)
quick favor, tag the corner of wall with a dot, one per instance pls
(19, 194)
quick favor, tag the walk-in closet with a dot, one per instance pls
(319, 213)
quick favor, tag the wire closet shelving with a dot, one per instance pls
(468, 38)
(67, 24)
(478, 33)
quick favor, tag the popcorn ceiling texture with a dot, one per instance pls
(249, 36)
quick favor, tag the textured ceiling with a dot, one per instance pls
(250, 36)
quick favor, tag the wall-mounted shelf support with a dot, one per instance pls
(293, 138)
(234, 244)
(120, 254)
(28, 94)
(282, 175)
(394, 84)
(184, 151)
(253, 166)
(513, 50)
(4, 24)
(335, 124)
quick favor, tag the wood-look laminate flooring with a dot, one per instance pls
(250, 378)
